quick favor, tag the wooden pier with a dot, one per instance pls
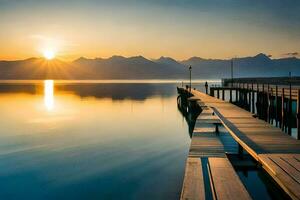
(209, 174)
(273, 102)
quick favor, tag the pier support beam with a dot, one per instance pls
(276, 106)
(212, 92)
(268, 104)
(290, 117)
(223, 94)
(252, 99)
(298, 115)
(282, 123)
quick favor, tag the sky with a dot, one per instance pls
(152, 28)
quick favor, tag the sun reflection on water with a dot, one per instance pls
(49, 94)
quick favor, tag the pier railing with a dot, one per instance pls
(275, 100)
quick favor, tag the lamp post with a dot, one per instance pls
(231, 67)
(190, 69)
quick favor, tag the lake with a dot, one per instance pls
(91, 140)
(101, 140)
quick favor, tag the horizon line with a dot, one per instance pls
(152, 59)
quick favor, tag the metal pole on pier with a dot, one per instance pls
(190, 69)
(231, 66)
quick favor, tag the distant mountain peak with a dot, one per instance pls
(166, 58)
(195, 58)
(167, 61)
(138, 57)
(80, 59)
(262, 56)
(116, 57)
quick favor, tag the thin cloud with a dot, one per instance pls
(291, 54)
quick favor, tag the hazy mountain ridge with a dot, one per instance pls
(139, 67)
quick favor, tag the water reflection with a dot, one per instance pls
(190, 117)
(114, 91)
(100, 141)
(49, 94)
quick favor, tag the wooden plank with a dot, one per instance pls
(193, 184)
(282, 172)
(226, 183)
(287, 167)
(278, 153)
(204, 129)
(209, 121)
(206, 145)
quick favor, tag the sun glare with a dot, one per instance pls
(49, 94)
(49, 54)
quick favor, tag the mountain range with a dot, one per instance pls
(138, 67)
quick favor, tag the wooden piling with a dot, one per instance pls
(282, 123)
(268, 104)
(290, 117)
(257, 100)
(298, 115)
(212, 92)
(223, 94)
(248, 98)
(253, 106)
(277, 106)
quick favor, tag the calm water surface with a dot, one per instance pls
(91, 141)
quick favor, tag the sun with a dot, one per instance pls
(49, 54)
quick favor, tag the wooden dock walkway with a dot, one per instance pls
(209, 174)
(277, 152)
(271, 99)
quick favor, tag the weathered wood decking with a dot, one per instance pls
(277, 152)
(209, 174)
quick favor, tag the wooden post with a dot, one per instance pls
(230, 95)
(217, 128)
(248, 98)
(268, 104)
(218, 93)
(263, 109)
(257, 100)
(298, 115)
(212, 92)
(236, 95)
(223, 94)
(253, 106)
(290, 113)
(282, 111)
(277, 105)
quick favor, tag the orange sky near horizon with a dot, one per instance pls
(102, 29)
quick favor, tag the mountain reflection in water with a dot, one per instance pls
(91, 141)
